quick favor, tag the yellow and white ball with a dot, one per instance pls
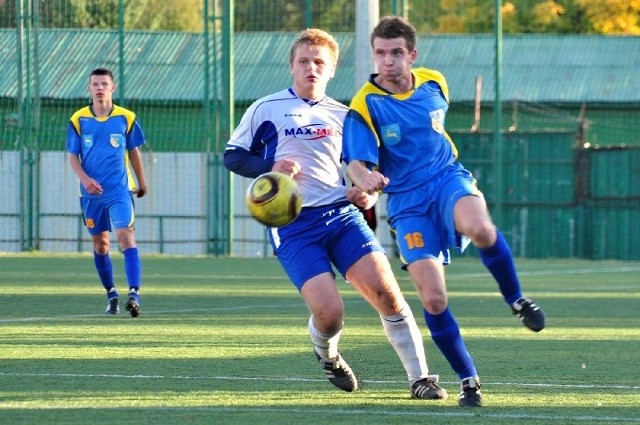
(274, 199)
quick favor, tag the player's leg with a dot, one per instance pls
(472, 219)
(372, 276)
(96, 219)
(104, 267)
(123, 218)
(301, 249)
(424, 253)
(360, 258)
(428, 276)
(325, 327)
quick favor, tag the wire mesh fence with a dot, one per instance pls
(570, 187)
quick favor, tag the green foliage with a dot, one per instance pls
(183, 15)
(444, 16)
(224, 340)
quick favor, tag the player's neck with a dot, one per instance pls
(399, 86)
(102, 109)
(313, 95)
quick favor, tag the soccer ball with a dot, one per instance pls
(274, 199)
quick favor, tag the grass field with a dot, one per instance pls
(224, 341)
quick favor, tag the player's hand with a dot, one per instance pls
(92, 187)
(360, 198)
(286, 166)
(374, 181)
(141, 191)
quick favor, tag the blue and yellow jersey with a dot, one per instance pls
(403, 135)
(102, 145)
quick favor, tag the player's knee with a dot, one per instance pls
(101, 245)
(483, 234)
(329, 321)
(435, 303)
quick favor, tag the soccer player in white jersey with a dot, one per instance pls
(102, 142)
(298, 131)
(395, 139)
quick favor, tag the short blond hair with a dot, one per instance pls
(319, 38)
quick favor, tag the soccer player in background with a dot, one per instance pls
(102, 142)
(298, 132)
(395, 141)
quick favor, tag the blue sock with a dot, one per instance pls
(446, 334)
(132, 267)
(499, 261)
(105, 271)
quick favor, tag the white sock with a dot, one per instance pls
(325, 345)
(405, 337)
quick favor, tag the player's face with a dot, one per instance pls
(101, 88)
(393, 59)
(312, 68)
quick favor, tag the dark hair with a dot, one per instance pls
(102, 71)
(395, 27)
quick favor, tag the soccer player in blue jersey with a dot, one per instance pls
(298, 131)
(102, 142)
(395, 141)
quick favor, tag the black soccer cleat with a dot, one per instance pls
(113, 306)
(133, 303)
(530, 313)
(338, 373)
(428, 389)
(470, 395)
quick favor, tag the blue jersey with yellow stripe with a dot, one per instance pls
(102, 144)
(403, 135)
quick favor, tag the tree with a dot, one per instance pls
(612, 16)
(183, 15)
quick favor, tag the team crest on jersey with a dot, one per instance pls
(312, 132)
(115, 140)
(437, 120)
(390, 134)
(87, 140)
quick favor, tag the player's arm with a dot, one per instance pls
(91, 185)
(369, 181)
(362, 199)
(136, 163)
(246, 163)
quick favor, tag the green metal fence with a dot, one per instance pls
(569, 171)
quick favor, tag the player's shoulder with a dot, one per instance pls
(426, 75)
(80, 113)
(358, 101)
(331, 103)
(119, 111)
(282, 95)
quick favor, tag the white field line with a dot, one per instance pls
(477, 414)
(283, 277)
(67, 317)
(299, 379)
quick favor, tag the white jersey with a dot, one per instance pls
(285, 126)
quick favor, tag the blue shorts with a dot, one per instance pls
(99, 212)
(321, 237)
(422, 219)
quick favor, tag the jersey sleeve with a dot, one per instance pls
(73, 139)
(251, 149)
(135, 136)
(360, 141)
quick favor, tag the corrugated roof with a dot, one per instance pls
(168, 65)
